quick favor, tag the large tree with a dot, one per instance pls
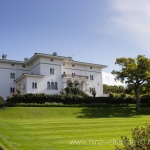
(133, 71)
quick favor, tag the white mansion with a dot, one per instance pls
(45, 73)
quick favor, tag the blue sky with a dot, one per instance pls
(96, 31)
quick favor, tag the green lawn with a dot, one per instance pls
(54, 128)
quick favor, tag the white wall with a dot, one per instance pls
(87, 71)
(5, 81)
(42, 66)
(23, 84)
(35, 67)
(45, 66)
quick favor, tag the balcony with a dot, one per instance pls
(74, 76)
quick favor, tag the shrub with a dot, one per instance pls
(140, 139)
(75, 91)
(66, 99)
(1, 100)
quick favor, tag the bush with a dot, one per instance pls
(66, 99)
(75, 91)
(140, 139)
(1, 100)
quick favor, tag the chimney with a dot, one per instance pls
(55, 53)
(4, 56)
(25, 59)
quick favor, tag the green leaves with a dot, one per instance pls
(133, 71)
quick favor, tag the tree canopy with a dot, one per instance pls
(134, 71)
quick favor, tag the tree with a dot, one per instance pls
(133, 71)
(114, 89)
(1, 100)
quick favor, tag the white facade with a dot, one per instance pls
(44, 73)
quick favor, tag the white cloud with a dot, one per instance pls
(132, 18)
(108, 79)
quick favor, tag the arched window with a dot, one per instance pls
(11, 90)
(48, 85)
(92, 77)
(13, 75)
(52, 85)
(50, 70)
(92, 89)
(35, 84)
(32, 85)
(56, 85)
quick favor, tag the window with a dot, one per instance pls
(73, 65)
(12, 65)
(55, 85)
(91, 77)
(34, 85)
(51, 70)
(90, 90)
(24, 86)
(12, 90)
(12, 75)
(64, 72)
(48, 85)
(52, 85)
(51, 59)
(90, 67)
(23, 66)
(63, 64)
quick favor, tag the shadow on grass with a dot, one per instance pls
(110, 112)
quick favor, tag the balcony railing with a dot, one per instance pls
(74, 76)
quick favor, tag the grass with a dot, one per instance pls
(53, 128)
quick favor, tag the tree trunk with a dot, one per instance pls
(137, 99)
